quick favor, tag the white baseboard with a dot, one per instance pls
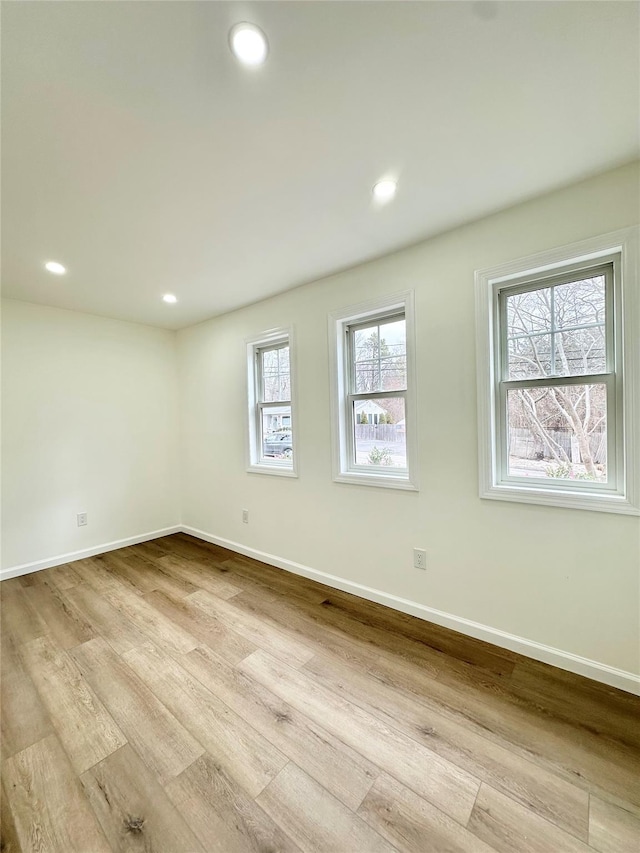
(50, 562)
(595, 670)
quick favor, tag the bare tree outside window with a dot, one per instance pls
(276, 374)
(557, 430)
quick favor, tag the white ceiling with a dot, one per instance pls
(140, 154)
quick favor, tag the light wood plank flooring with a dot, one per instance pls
(178, 698)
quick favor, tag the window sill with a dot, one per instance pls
(385, 482)
(595, 502)
(272, 469)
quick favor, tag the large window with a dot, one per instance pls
(557, 372)
(373, 396)
(271, 426)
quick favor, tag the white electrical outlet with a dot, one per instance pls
(245, 516)
(82, 519)
(419, 558)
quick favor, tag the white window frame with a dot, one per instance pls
(621, 493)
(256, 463)
(344, 469)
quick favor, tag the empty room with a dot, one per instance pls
(320, 427)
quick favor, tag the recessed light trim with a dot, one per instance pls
(248, 43)
(170, 298)
(55, 267)
(385, 189)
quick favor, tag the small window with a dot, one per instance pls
(557, 387)
(271, 416)
(373, 394)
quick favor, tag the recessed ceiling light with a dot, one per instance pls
(248, 44)
(385, 190)
(169, 297)
(55, 268)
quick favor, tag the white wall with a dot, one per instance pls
(89, 425)
(568, 579)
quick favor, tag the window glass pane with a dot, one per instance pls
(580, 351)
(557, 331)
(528, 313)
(367, 376)
(277, 437)
(579, 320)
(380, 357)
(529, 325)
(579, 303)
(529, 357)
(558, 433)
(393, 372)
(276, 376)
(380, 432)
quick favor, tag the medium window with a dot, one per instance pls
(378, 388)
(556, 417)
(271, 427)
(373, 396)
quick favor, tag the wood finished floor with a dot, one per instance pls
(174, 696)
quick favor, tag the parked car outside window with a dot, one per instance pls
(278, 444)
